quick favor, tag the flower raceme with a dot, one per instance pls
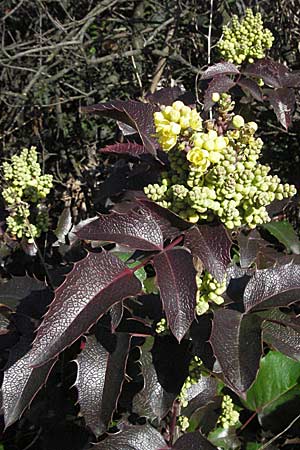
(214, 172)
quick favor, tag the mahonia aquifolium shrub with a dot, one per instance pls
(245, 39)
(24, 192)
(214, 173)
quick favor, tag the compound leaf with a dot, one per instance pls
(135, 228)
(236, 342)
(272, 287)
(99, 380)
(176, 279)
(135, 437)
(211, 244)
(95, 284)
(273, 73)
(138, 115)
(21, 382)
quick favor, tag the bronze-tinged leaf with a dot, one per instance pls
(152, 401)
(273, 287)
(99, 380)
(200, 394)
(135, 437)
(165, 96)
(193, 441)
(253, 248)
(281, 333)
(273, 73)
(135, 228)
(116, 314)
(21, 382)
(95, 284)
(126, 148)
(251, 87)
(176, 279)
(283, 101)
(222, 68)
(220, 84)
(211, 244)
(236, 343)
(138, 115)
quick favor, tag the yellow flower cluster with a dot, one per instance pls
(229, 416)
(174, 120)
(207, 149)
(246, 39)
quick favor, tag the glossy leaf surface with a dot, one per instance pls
(278, 286)
(95, 284)
(21, 383)
(99, 379)
(176, 279)
(136, 229)
(134, 438)
(236, 342)
(211, 244)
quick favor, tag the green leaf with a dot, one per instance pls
(253, 446)
(125, 257)
(225, 439)
(284, 233)
(276, 383)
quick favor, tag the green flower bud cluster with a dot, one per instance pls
(218, 175)
(229, 416)
(183, 422)
(246, 39)
(194, 376)
(174, 120)
(209, 290)
(161, 326)
(24, 191)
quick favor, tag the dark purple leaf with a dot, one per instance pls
(152, 401)
(273, 73)
(28, 295)
(220, 84)
(283, 101)
(176, 279)
(211, 244)
(251, 87)
(136, 114)
(280, 333)
(200, 394)
(236, 342)
(165, 96)
(136, 229)
(95, 284)
(130, 148)
(116, 314)
(99, 380)
(222, 68)
(135, 437)
(21, 382)
(193, 441)
(255, 249)
(273, 287)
